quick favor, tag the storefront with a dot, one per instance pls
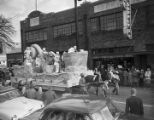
(14, 59)
(124, 60)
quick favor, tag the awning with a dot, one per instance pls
(143, 53)
(112, 56)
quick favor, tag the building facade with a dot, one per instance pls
(14, 59)
(101, 26)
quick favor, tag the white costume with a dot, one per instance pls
(27, 53)
(56, 63)
(72, 49)
(28, 60)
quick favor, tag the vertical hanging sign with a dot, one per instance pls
(127, 24)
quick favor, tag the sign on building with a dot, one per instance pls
(34, 21)
(113, 4)
(127, 24)
(106, 6)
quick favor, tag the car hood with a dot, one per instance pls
(34, 116)
(20, 107)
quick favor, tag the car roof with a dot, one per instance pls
(78, 104)
(6, 89)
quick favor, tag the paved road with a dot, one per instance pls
(146, 94)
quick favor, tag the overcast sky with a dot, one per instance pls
(19, 9)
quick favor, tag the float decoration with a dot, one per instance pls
(45, 67)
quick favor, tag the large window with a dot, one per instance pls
(94, 24)
(111, 22)
(67, 29)
(151, 14)
(37, 35)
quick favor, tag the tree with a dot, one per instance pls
(6, 31)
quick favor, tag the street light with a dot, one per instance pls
(76, 23)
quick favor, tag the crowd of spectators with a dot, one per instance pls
(131, 76)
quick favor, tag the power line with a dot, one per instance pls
(14, 17)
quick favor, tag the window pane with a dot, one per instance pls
(80, 28)
(73, 27)
(111, 22)
(151, 14)
(36, 35)
(67, 29)
(94, 24)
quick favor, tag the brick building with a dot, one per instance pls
(100, 32)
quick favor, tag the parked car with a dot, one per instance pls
(77, 107)
(82, 107)
(13, 106)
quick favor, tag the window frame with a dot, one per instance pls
(94, 24)
(67, 29)
(36, 35)
(150, 13)
(111, 22)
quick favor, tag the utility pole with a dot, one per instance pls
(76, 24)
(36, 5)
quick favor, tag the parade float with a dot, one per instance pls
(46, 67)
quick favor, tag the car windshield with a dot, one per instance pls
(63, 115)
(9, 95)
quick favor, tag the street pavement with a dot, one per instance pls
(146, 94)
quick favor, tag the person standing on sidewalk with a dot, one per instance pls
(130, 77)
(148, 77)
(135, 74)
(125, 74)
(116, 80)
(134, 104)
(103, 72)
(142, 76)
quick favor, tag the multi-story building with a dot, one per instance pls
(101, 26)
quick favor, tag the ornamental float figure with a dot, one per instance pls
(28, 61)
